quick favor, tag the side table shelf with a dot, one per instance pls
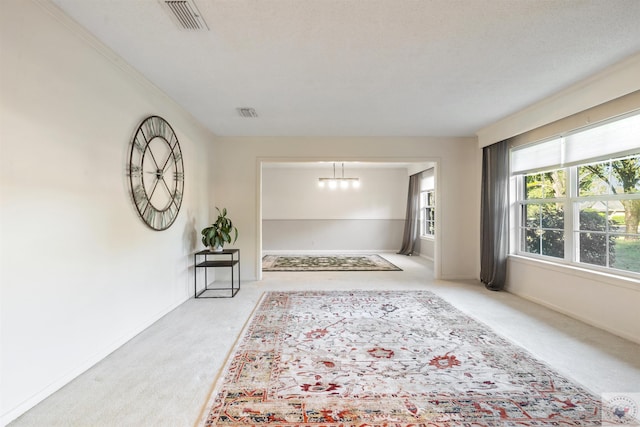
(207, 259)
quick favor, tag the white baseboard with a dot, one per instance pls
(569, 313)
(426, 257)
(454, 277)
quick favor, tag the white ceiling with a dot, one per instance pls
(364, 67)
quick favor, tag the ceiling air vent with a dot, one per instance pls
(247, 112)
(186, 15)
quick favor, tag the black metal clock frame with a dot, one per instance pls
(162, 171)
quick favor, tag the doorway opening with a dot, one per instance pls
(294, 215)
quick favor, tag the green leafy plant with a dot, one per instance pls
(220, 232)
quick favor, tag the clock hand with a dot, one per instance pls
(155, 163)
(159, 173)
(166, 186)
(172, 158)
(153, 190)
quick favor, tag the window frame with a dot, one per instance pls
(573, 202)
(524, 201)
(428, 214)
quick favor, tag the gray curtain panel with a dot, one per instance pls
(494, 239)
(410, 236)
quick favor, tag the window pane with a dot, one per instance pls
(625, 175)
(626, 253)
(532, 216)
(554, 184)
(594, 179)
(552, 215)
(593, 248)
(531, 241)
(593, 216)
(624, 216)
(625, 248)
(551, 184)
(553, 243)
(532, 186)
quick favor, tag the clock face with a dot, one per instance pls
(156, 173)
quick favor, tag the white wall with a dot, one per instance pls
(602, 300)
(298, 215)
(426, 248)
(236, 163)
(80, 273)
(598, 299)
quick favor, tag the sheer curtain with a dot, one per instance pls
(412, 217)
(494, 239)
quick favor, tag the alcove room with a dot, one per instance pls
(123, 127)
(305, 210)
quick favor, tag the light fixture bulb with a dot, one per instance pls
(335, 182)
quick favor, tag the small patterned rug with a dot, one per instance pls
(386, 358)
(327, 263)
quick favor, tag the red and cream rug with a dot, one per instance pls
(386, 358)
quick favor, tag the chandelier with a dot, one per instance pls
(341, 182)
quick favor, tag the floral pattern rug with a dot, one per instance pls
(385, 358)
(368, 262)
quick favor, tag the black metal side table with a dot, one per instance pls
(231, 260)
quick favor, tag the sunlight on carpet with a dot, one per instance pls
(385, 358)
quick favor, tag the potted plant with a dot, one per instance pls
(220, 232)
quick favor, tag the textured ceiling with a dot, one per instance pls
(364, 67)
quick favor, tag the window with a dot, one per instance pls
(427, 213)
(427, 204)
(578, 197)
(542, 211)
(608, 210)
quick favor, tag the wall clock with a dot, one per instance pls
(156, 173)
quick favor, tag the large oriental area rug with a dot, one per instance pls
(327, 263)
(389, 358)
